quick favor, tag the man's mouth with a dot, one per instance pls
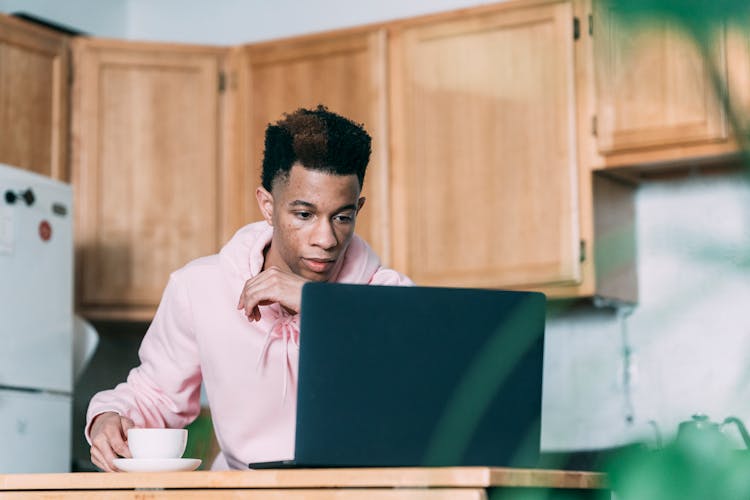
(319, 265)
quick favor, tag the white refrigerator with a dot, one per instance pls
(36, 322)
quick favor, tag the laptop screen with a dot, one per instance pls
(415, 376)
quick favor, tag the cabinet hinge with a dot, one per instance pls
(594, 125)
(576, 28)
(591, 25)
(582, 254)
(222, 81)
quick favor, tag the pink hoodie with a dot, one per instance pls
(247, 368)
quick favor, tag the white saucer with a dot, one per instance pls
(156, 464)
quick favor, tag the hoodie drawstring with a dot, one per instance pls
(285, 330)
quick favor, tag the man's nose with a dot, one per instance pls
(323, 235)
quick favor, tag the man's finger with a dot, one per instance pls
(98, 459)
(126, 424)
(118, 444)
(95, 458)
(251, 303)
(104, 444)
(121, 448)
(261, 293)
(108, 456)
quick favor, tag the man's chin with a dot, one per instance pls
(313, 276)
(315, 271)
(318, 278)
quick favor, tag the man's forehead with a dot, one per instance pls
(304, 180)
(312, 206)
(299, 171)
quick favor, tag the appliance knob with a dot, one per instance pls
(28, 197)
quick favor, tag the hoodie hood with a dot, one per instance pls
(243, 257)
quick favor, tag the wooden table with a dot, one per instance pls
(455, 483)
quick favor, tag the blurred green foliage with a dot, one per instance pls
(699, 17)
(701, 466)
(201, 441)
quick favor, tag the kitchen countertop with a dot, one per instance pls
(437, 482)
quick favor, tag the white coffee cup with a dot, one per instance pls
(157, 443)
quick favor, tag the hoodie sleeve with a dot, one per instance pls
(385, 276)
(164, 390)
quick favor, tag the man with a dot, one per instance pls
(231, 320)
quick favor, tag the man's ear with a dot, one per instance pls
(361, 203)
(265, 203)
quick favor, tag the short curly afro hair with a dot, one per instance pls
(318, 139)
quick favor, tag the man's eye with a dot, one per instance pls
(344, 219)
(303, 215)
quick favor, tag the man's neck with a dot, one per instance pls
(266, 264)
(271, 258)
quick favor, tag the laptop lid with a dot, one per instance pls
(415, 376)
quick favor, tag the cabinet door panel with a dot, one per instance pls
(345, 72)
(146, 167)
(738, 76)
(654, 88)
(33, 98)
(484, 172)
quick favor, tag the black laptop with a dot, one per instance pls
(418, 376)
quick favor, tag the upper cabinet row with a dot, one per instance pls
(487, 124)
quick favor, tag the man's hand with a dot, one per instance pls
(109, 433)
(270, 286)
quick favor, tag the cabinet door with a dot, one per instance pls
(654, 89)
(484, 166)
(146, 169)
(345, 72)
(738, 81)
(33, 98)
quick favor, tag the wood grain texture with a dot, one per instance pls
(147, 169)
(484, 169)
(345, 72)
(654, 88)
(437, 477)
(300, 494)
(738, 72)
(34, 97)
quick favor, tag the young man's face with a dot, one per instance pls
(313, 215)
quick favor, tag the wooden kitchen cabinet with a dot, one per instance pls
(655, 97)
(34, 79)
(484, 170)
(345, 71)
(148, 169)
(481, 173)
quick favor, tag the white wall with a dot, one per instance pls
(222, 22)
(233, 22)
(105, 18)
(689, 336)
